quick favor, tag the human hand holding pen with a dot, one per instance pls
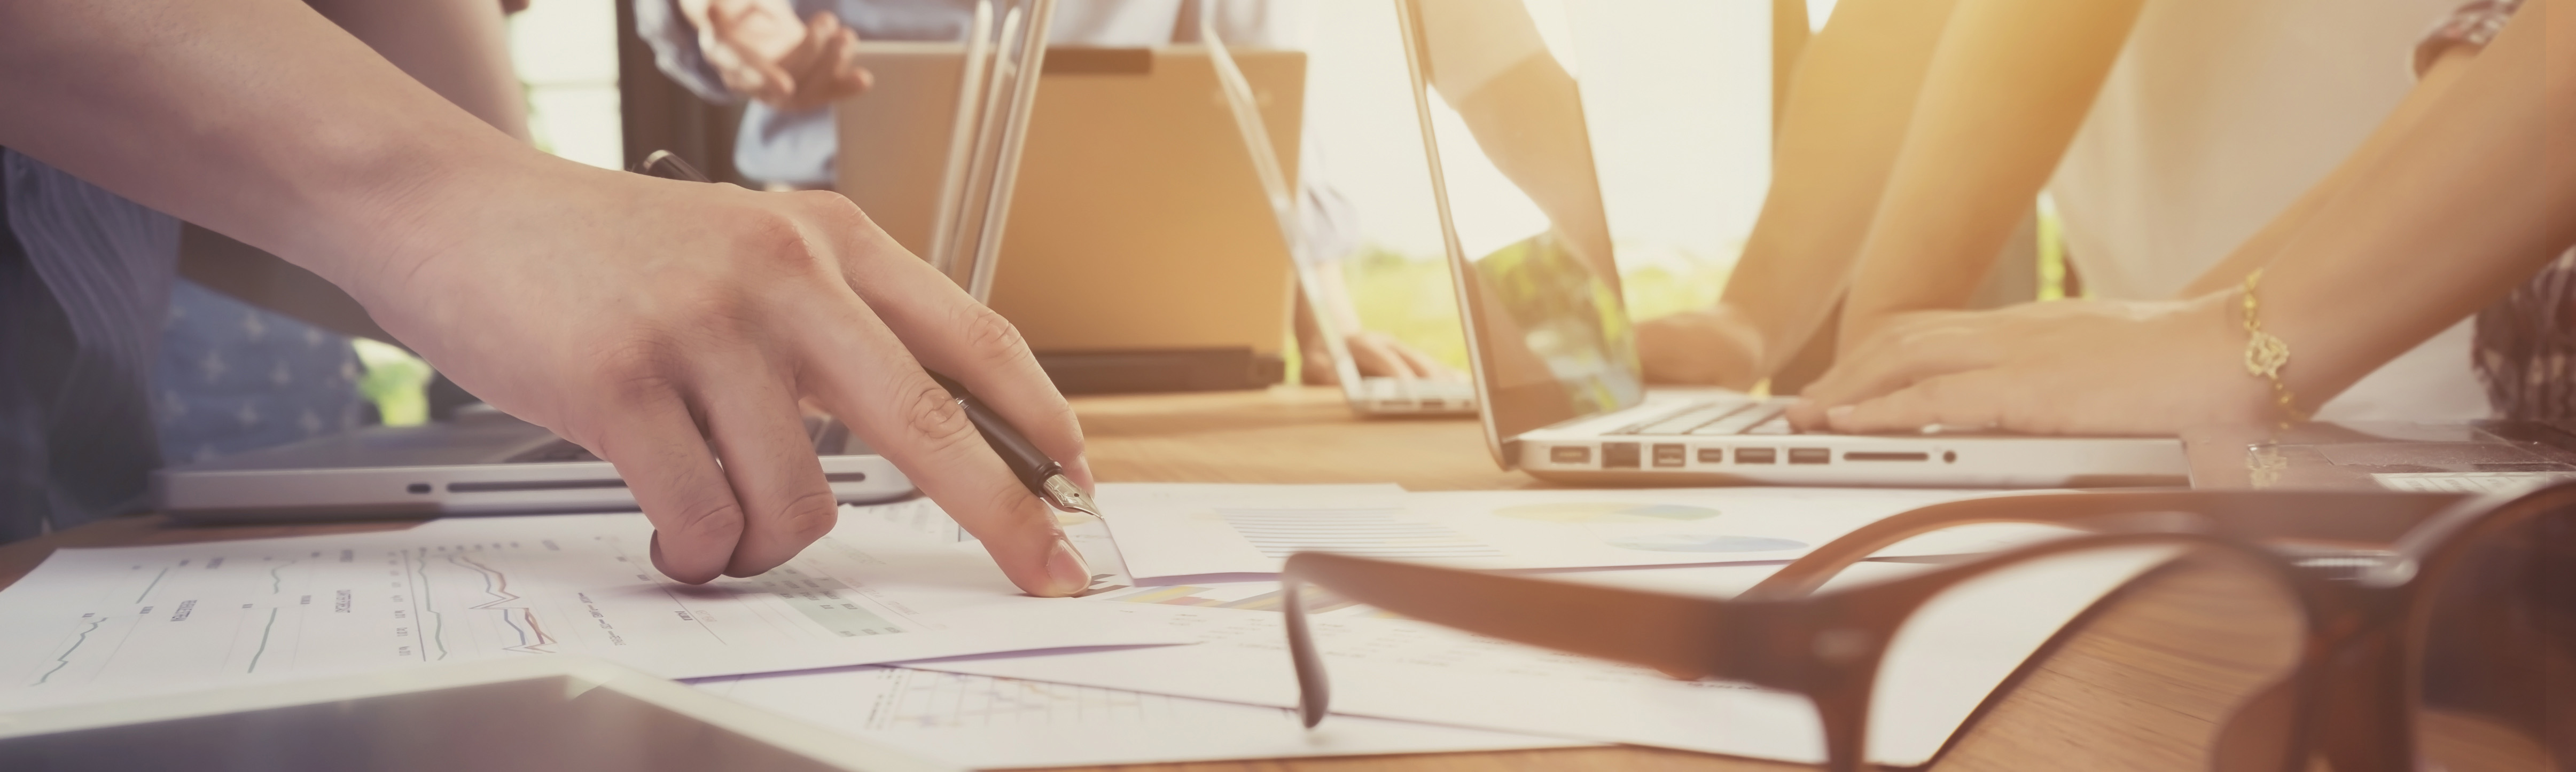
(662, 325)
(933, 435)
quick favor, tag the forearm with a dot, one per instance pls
(458, 48)
(2462, 208)
(2264, 245)
(1529, 121)
(1838, 135)
(2011, 83)
(257, 118)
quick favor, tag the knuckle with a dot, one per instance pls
(934, 418)
(777, 244)
(713, 311)
(836, 212)
(991, 337)
(809, 516)
(708, 518)
(635, 368)
(1004, 500)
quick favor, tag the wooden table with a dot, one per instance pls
(2110, 702)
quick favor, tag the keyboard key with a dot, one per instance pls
(1740, 422)
(1691, 419)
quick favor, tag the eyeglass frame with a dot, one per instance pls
(2358, 674)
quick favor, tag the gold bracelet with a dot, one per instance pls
(2266, 354)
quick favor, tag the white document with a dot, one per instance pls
(102, 623)
(1166, 531)
(983, 722)
(1940, 668)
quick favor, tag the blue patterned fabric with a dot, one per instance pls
(84, 284)
(235, 377)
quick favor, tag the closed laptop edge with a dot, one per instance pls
(435, 470)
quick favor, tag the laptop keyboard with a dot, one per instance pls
(1717, 418)
(829, 436)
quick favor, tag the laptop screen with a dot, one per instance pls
(1528, 241)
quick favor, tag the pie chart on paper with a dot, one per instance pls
(1632, 513)
(1606, 512)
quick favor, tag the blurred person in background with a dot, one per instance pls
(2453, 204)
(790, 61)
(1918, 134)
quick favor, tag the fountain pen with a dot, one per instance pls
(1041, 474)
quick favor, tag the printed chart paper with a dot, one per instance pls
(1167, 531)
(1940, 668)
(984, 722)
(102, 623)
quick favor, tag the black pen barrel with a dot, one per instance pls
(1024, 458)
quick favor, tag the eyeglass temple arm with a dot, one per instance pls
(2357, 516)
(1671, 633)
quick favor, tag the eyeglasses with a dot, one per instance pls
(2363, 631)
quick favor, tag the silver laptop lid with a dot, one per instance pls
(1520, 209)
(1003, 56)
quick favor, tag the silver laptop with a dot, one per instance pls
(483, 463)
(1367, 395)
(1377, 395)
(1558, 383)
(2468, 457)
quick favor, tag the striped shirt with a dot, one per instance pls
(85, 281)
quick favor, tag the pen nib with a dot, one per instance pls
(1067, 496)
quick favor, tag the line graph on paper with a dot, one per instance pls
(463, 603)
(216, 611)
(521, 619)
(925, 699)
(190, 611)
(97, 623)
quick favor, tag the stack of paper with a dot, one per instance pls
(94, 624)
(1941, 669)
(996, 679)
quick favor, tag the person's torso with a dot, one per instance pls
(2219, 114)
(798, 148)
